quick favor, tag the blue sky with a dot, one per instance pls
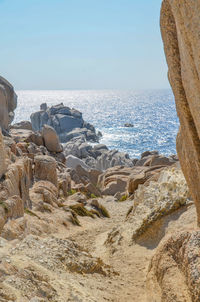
(82, 44)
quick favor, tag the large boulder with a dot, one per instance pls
(51, 140)
(180, 26)
(8, 103)
(46, 169)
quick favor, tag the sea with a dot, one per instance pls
(151, 112)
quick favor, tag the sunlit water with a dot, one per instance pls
(152, 113)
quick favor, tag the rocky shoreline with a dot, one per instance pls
(56, 187)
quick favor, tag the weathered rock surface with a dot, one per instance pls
(8, 103)
(22, 125)
(125, 180)
(174, 269)
(97, 157)
(46, 169)
(68, 123)
(159, 199)
(51, 140)
(180, 24)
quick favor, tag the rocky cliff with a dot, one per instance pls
(180, 25)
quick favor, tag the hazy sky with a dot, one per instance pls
(82, 44)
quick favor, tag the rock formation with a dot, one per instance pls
(180, 24)
(8, 103)
(68, 123)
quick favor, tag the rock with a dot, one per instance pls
(11, 208)
(72, 162)
(8, 103)
(45, 169)
(51, 140)
(180, 23)
(142, 175)
(68, 123)
(175, 266)
(44, 191)
(147, 153)
(20, 135)
(152, 158)
(22, 125)
(118, 185)
(91, 189)
(43, 106)
(3, 163)
(114, 180)
(128, 125)
(158, 160)
(160, 198)
(18, 179)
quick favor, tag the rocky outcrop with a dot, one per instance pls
(8, 103)
(68, 123)
(180, 24)
(22, 125)
(158, 199)
(126, 180)
(97, 157)
(174, 269)
(45, 169)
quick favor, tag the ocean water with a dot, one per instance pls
(152, 113)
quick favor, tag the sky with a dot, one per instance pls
(82, 44)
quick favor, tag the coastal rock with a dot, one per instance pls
(44, 191)
(72, 162)
(158, 199)
(175, 266)
(11, 208)
(17, 181)
(22, 125)
(180, 24)
(142, 175)
(114, 180)
(46, 169)
(68, 123)
(8, 103)
(25, 135)
(51, 140)
(128, 125)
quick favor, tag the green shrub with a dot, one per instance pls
(71, 192)
(80, 210)
(74, 219)
(29, 212)
(123, 198)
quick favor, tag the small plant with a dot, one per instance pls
(29, 212)
(71, 192)
(104, 211)
(101, 209)
(123, 198)
(5, 206)
(80, 210)
(95, 212)
(74, 219)
(93, 195)
(129, 211)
